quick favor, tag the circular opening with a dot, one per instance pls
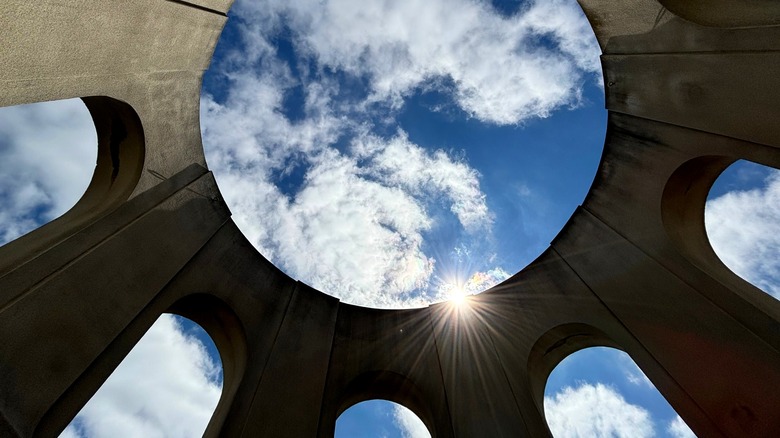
(399, 154)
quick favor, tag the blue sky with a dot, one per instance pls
(393, 154)
(424, 129)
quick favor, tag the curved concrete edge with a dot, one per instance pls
(631, 269)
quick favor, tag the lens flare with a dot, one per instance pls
(458, 298)
(455, 289)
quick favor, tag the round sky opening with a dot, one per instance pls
(395, 154)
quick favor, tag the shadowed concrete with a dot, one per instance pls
(687, 95)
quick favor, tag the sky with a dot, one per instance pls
(392, 154)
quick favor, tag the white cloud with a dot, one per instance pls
(70, 432)
(632, 372)
(47, 156)
(410, 424)
(400, 163)
(744, 230)
(355, 226)
(637, 377)
(165, 387)
(595, 411)
(366, 243)
(678, 429)
(500, 71)
(478, 282)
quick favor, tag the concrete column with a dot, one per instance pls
(288, 399)
(728, 373)
(56, 325)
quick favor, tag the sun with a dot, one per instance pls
(458, 299)
(457, 296)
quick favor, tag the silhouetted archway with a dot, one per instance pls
(168, 385)
(380, 418)
(600, 391)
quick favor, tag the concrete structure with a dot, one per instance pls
(687, 95)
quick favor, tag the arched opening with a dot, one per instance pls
(388, 389)
(600, 391)
(168, 385)
(48, 152)
(700, 197)
(742, 220)
(380, 418)
(49, 178)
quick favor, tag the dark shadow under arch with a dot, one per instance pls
(726, 13)
(554, 346)
(682, 205)
(227, 332)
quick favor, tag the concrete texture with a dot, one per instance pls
(632, 269)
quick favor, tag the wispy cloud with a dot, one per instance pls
(632, 372)
(498, 67)
(355, 225)
(356, 222)
(410, 424)
(678, 429)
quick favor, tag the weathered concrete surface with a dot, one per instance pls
(632, 269)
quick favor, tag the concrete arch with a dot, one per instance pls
(683, 202)
(554, 346)
(682, 210)
(726, 13)
(120, 159)
(227, 332)
(384, 385)
(686, 189)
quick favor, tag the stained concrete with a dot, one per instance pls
(687, 95)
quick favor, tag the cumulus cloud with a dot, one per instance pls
(47, 156)
(385, 194)
(355, 224)
(744, 230)
(166, 387)
(355, 218)
(500, 70)
(410, 424)
(595, 411)
(678, 429)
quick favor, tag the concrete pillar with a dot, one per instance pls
(632, 269)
